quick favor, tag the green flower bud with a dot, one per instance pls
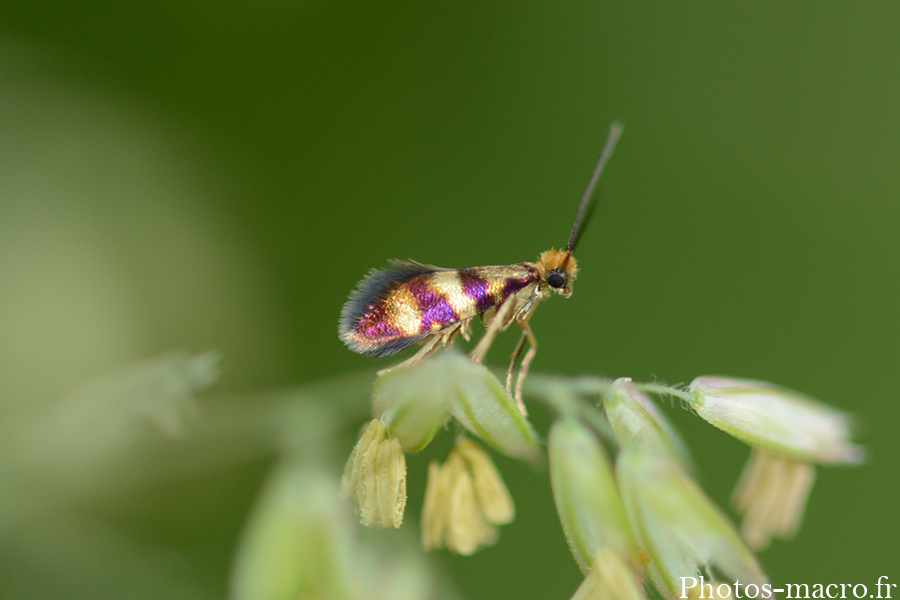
(586, 497)
(635, 419)
(677, 525)
(776, 419)
(412, 402)
(297, 542)
(480, 402)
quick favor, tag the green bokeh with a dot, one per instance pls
(747, 225)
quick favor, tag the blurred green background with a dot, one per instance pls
(191, 175)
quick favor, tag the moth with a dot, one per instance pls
(413, 303)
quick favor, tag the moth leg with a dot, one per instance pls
(465, 328)
(447, 336)
(509, 373)
(496, 326)
(526, 362)
(431, 345)
(428, 348)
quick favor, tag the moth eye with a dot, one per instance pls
(556, 279)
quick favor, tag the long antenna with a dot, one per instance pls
(615, 130)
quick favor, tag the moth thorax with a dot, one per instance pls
(558, 269)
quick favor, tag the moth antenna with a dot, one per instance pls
(615, 130)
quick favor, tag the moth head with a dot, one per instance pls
(558, 269)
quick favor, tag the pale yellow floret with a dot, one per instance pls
(772, 495)
(375, 476)
(465, 499)
(610, 578)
